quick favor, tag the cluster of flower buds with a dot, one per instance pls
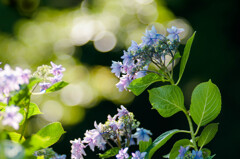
(49, 153)
(155, 48)
(11, 80)
(49, 75)
(120, 130)
(185, 153)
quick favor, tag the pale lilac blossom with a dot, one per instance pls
(116, 68)
(123, 83)
(57, 69)
(122, 112)
(138, 155)
(77, 149)
(122, 154)
(12, 117)
(174, 33)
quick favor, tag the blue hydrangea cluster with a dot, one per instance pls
(185, 153)
(49, 75)
(121, 131)
(153, 49)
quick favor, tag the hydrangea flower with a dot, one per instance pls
(10, 80)
(138, 155)
(197, 154)
(122, 112)
(12, 117)
(155, 48)
(122, 154)
(77, 149)
(94, 138)
(142, 135)
(182, 151)
(57, 69)
(173, 33)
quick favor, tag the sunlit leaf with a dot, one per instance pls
(57, 86)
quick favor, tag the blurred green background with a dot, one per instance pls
(85, 36)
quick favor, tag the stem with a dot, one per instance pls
(185, 131)
(109, 144)
(192, 131)
(196, 132)
(26, 115)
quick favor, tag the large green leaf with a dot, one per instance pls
(52, 133)
(206, 153)
(32, 82)
(15, 137)
(110, 153)
(205, 103)
(33, 110)
(138, 85)
(143, 145)
(167, 100)
(20, 98)
(57, 86)
(175, 150)
(208, 134)
(185, 56)
(159, 142)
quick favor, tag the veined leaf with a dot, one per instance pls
(57, 86)
(167, 100)
(159, 142)
(208, 134)
(143, 145)
(205, 103)
(185, 56)
(138, 85)
(51, 133)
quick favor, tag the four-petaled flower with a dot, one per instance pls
(77, 149)
(122, 154)
(138, 155)
(142, 135)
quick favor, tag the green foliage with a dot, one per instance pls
(206, 152)
(143, 145)
(110, 153)
(211, 157)
(208, 134)
(185, 56)
(15, 137)
(138, 85)
(33, 110)
(167, 100)
(175, 150)
(32, 82)
(57, 86)
(205, 103)
(21, 98)
(52, 132)
(159, 142)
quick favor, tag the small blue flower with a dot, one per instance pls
(152, 37)
(127, 58)
(173, 33)
(123, 83)
(142, 135)
(197, 154)
(134, 47)
(116, 68)
(182, 151)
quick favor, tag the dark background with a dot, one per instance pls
(214, 55)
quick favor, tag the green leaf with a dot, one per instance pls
(57, 86)
(143, 145)
(206, 152)
(166, 156)
(175, 150)
(21, 98)
(33, 110)
(211, 157)
(205, 103)
(52, 132)
(185, 56)
(110, 153)
(159, 142)
(208, 134)
(138, 85)
(167, 100)
(32, 82)
(15, 137)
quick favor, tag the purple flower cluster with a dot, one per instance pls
(117, 130)
(12, 117)
(10, 80)
(153, 49)
(49, 75)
